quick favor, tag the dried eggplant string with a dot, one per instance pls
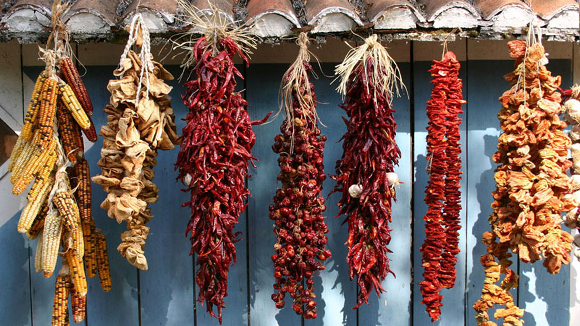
(364, 174)
(140, 122)
(532, 188)
(572, 116)
(442, 193)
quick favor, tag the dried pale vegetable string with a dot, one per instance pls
(368, 76)
(140, 122)
(50, 154)
(442, 193)
(298, 207)
(572, 115)
(532, 188)
(215, 150)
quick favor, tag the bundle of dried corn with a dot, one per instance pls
(50, 140)
(140, 121)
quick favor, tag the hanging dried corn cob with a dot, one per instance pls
(572, 114)
(52, 126)
(365, 174)
(215, 151)
(532, 186)
(141, 121)
(442, 193)
(297, 211)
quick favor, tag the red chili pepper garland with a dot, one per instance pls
(298, 206)
(442, 194)
(213, 164)
(364, 174)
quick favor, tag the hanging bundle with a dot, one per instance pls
(571, 109)
(443, 196)
(58, 211)
(140, 121)
(532, 186)
(215, 149)
(365, 174)
(298, 207)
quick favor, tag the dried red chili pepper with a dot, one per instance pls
(442, 194)
(298, 206)
(213, 164)
(365, 174)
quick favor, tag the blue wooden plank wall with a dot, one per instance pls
(166, 293)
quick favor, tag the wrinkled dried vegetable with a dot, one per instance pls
(572, 114)
(140, 121)
(50, 140)
(442, 194)
(364, 174)
(298, 207)
(532, 188)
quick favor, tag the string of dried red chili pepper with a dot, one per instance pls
(213, 164)
(298, 206)
(442, 193)
(365, 174)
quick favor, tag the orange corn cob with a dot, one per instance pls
(73, 78)
(70, 133)
(103, 262)
(47, 111)
(38, 161)
(90, 247)
(83, 193)
(60, 304)
(77, 272)
(79, 305)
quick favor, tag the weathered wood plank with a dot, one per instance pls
(336, 293)
(11, 106)
(453, 310)
(120, 305)
(167, 288)
(540, 293)
(484, 86)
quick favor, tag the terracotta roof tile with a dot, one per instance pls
(272, 18)
(28, 19)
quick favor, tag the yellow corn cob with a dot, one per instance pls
(22, 161)
(33, 107)
(47, 112)
(43, 176)
(16, 152)
(38, 223)
(60, 305)
(51, 242)
(72, 103)
(79, 305)
(77, 272)
(34, 205)
(90, 247)
(38, 254)
(34, 166)
(103, 262)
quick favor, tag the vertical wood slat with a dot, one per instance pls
(453, 310)
(482, 134)
(167, 288)
(263, 82)
(336, 293)
(14, 247)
